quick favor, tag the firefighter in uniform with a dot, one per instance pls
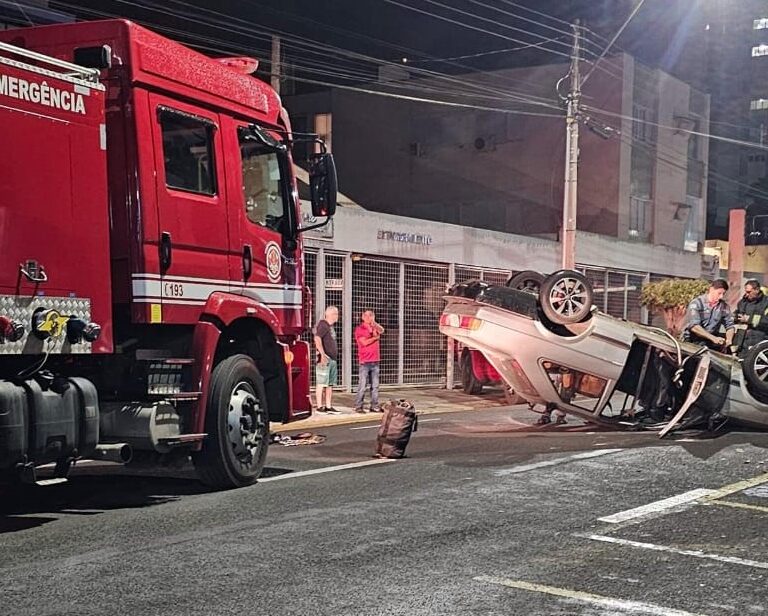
(752, 311)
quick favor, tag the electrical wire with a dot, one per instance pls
(523, 98)
(740, 142)
(613, 40)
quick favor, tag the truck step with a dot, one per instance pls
(163, 357)
(182, 439)
(178, 396)
(51, 482)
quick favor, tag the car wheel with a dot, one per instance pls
(755, 368)
(527, 280)
(469, 382)
(237, 424)
(566, 297)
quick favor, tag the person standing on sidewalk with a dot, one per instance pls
(367, 336)
(326, 370)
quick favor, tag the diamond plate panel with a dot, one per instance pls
(22, 308)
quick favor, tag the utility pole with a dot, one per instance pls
(570, 195)
(275, 64)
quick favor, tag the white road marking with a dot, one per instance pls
(421, 421)
(655, 507)
(578, 456)
(612, 603)
(665, 548)
(327, 469)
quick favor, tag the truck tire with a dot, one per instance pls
(527, 280)
(237, 426)
(469, 382)
(755, 368)
(566, 297)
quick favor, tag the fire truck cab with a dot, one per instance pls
(151, 271)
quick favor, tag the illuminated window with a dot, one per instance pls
(758, 104)
(760, 24)
(760, 50)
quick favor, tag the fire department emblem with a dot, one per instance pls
(274, 261)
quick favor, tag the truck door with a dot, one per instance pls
(266, 259)
(191, 203)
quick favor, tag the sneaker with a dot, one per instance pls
(360, 410)
(332, 411)
(375, 409)
(320, 409)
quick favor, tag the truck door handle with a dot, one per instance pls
(165, 250)
(247, 261)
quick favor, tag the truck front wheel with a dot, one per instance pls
(237, 424)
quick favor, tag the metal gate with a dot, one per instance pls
(618, 293)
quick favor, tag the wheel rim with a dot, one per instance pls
(568, 297)
(244, 423)
(761, 366)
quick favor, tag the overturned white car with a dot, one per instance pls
(555, 349)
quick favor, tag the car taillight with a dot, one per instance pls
(10, 330)
(460, 321)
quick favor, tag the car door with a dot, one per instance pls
(193, 233)
(266, 258)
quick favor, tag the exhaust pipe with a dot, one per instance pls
(121, 453)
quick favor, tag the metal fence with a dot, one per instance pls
(618, 293)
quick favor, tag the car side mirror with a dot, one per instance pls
(322, 184)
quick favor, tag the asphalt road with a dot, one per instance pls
(486, 516)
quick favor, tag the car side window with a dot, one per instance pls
(188, 152)
(263, 185)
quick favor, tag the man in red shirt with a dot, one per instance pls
(367, 336)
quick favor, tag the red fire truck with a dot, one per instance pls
(151, 270)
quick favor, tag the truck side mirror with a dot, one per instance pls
(322, 184)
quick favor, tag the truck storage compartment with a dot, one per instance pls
(44, 424)
(13, 424)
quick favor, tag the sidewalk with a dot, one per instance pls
(426, 399)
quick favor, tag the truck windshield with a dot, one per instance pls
(263, 184)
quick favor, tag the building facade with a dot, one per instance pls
(497, 169)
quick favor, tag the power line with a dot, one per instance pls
(310, 47)
(749, 144)
(613, 40)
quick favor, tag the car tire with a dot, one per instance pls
(469, 382)
(237, 426)
(527, 280)
(755, 367)
(566, 297)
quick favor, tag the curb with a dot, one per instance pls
(325, 421)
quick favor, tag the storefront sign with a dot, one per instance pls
(408, 238)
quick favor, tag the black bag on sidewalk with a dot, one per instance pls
(397, 424)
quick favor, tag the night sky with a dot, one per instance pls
(387, 30)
